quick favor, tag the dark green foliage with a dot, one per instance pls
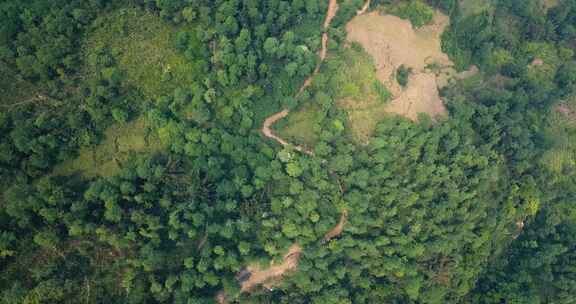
(402, 75)
(464, 210)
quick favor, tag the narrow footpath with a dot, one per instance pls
(272, 119)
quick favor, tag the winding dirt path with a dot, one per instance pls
(269, 276)
(272, 119)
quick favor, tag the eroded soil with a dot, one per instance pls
(260, 276)
(393, 42)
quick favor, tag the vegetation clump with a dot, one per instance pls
(402, 75)
(417, 11)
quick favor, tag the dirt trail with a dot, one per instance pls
(267, 131)
(262, 276)
(337, 230)
(268, 277)
(364, 8)
(272, 119)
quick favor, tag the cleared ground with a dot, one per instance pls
(550, 3)
(364, 81)
(144, 47)
(269, 276)
(105, 159)
(393, 42)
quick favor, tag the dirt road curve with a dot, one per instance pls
(258, 276)
(268, 277)
(267, 131)
(271, 120)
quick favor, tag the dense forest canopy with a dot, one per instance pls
(133, 168)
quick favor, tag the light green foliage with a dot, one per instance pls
(121, 141)
(499, 58)
(145, 48)
(301, 125)
(355, 76)
(562, 132)
(417, 11)
(473, 7)
(352, 82)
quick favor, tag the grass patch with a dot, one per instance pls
(351, 80)
(473, 7)
(106, 158)
(300, 126)
(144, 48)
(358, 91)
(354, 77)
(154, 58)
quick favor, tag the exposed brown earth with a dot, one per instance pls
(337, 230)
(261, 276)
(393, 42)
(548, 4)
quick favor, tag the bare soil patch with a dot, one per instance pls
(393, 42)
(269, 275)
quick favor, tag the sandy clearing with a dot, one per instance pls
(262, 276)
(421, 96)
(393, 42)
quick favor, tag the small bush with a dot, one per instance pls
(402, 75)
